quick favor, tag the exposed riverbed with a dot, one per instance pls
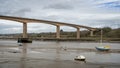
(47, 54)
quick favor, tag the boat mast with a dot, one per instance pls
(101, 36)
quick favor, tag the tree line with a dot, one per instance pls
(107, 33)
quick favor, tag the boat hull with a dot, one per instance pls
(24, 40)
(102, 49)
(79, 59)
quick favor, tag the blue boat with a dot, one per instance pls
(103, 48)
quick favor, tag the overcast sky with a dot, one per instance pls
(93, 13)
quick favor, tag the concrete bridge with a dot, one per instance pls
(57, 24)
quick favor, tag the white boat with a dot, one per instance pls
(80, 58)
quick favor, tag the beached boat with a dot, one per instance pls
(24, 40)
(103, 48)
(80, 58)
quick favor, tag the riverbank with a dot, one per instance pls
(112, 40)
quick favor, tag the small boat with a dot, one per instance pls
(80, 58)
(24, 40)
(103, 48)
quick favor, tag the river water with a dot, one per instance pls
(54, 54)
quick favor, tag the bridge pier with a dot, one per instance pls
(25, 38)
(91, 33)
(57, 31)
(24, 30)
(78, 33)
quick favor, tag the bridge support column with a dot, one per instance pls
(91, 33)
(24, 30)
(25, 38)
(57, 31)
(78, 33)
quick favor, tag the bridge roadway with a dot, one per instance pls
(57, 24)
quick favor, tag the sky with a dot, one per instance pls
(92, 13)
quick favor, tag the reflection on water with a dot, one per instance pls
(22, 63)
(24, 50)
(23, 55)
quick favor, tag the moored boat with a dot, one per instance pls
(103, 48)
(80, 58)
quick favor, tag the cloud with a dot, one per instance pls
(10, 27)
(59, 6)
(5, 28)
(14, 7)
(93, 13)
(20, 12)
(39, 27)
(113, 4)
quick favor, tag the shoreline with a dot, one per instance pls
(67, 40)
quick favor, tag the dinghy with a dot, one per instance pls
(80, 58)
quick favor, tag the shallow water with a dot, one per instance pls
(58, 54)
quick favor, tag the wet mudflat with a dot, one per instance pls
(42, 54)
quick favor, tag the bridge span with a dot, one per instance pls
(57, 24)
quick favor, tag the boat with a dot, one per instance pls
(102, 48)
(80, 58)
(24, 40)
